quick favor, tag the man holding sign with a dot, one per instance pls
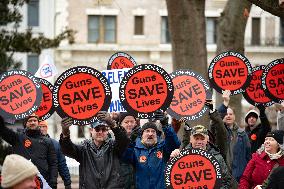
(98, 156)
(199, 138)
(33, 146)
(149, 153)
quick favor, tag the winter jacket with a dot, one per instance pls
(259, 132)
(128, 175)
(241, 154)
(99, 167)
(276, 179)
(258, 169)
(220, 133)
(32, 145)
(226, 176)
(238, 145)
(280, 120)
(149, 163)
(62, 166)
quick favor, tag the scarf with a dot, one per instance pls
(276, 155)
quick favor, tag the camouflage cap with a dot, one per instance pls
(199, 129)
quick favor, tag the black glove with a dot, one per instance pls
(160, 115)
(209, 104)
(261, 108)
(136, 131)
(105, 116)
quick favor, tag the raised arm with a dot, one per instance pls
(7, 134)
(68, 148)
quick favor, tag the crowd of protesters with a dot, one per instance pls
(122, 154)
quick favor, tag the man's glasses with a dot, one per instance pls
(103, 129)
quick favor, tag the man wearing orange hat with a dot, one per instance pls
(62, 166)
(32, 145)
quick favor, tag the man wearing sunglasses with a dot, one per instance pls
(98, 156)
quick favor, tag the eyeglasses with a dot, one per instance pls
(103, 129)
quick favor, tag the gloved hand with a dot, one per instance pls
(105, 116)
(209, 104)
(261, 110)
(162, 116)
(65, 124)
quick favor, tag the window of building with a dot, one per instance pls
(281, 42)
(33, 13)
(138, 25)
(165, 32)
(211, 30)
(32, 63)
(101, 29)
(255, 31)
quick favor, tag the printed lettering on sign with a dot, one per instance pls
(120, 60)
(145, 89)
(273, 80)
(46, 108)
(80, 93)
(230, 71)
(195, 168)
(190, 93)
(254, 93)
(114, 78)
(20, 94)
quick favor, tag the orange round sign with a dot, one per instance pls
(273, 80)
(190, 93)
(195, 168)
(46, 108)
(254, 93)
(120, 60)
(230, 71)
(80, 93)
(145, 89)
(20, 94)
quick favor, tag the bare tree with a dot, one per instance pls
(230, 36)
(188, 36)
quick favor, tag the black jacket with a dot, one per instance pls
(99, 167)
(258, 134)
(276, 179)
(34, 146)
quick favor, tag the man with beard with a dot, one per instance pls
(149, 153)
(33, 146)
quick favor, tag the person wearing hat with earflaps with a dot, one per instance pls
(32, 145)
(257, 127)
(98, 156)
(267, 158)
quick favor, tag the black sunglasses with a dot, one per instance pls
(103, 129)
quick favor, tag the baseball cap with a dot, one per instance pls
(199, 129)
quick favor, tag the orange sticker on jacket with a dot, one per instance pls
(27, 143)
(159, 154)
(142, 159)
(253, 137)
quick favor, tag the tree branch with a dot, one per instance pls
(271, 6)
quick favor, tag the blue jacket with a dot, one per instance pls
(62, 166)
(150, 163)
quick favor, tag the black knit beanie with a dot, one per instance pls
(148, 125)
(277, 135)
(122, 115)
